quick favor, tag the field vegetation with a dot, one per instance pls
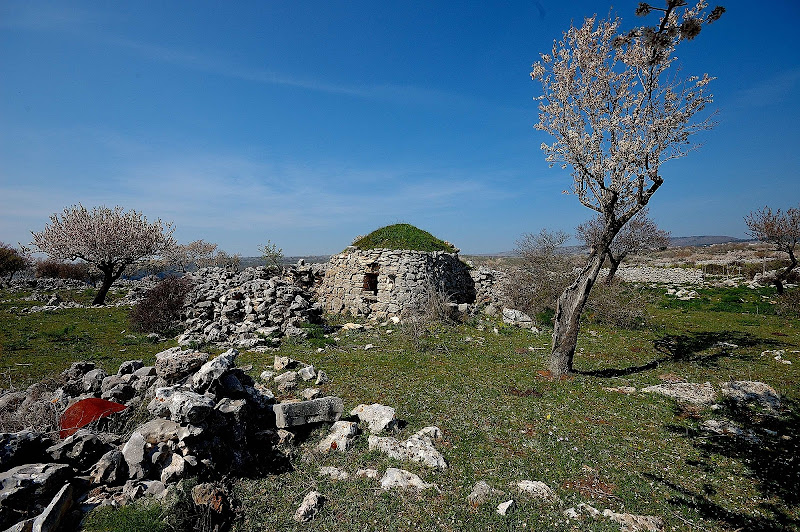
(483, 384)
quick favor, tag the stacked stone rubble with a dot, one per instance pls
(206, 418)
(247, 309)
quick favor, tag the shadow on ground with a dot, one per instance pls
(768, 448)
(690, 348)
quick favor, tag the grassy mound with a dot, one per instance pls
(403, 236)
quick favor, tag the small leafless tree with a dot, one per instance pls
(640, 234)
(617, 110)
(782, 231)
(184, 256)
(111, 239)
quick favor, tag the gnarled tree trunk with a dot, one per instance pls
(568, 315)
(612, 270)
(110, 274)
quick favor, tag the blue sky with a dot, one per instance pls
(309, 123)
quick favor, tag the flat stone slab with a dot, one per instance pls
(699, 394)
(322, 410)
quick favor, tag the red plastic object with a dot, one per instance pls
(84, 412)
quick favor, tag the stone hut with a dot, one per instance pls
(384, 281)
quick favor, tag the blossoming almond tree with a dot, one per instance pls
(111, 239)
(617, 110)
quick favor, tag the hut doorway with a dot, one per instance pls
(371, 279)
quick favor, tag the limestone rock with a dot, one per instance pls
(159, 430)
(25, 486)
(93, 380)
(175, 363)
(310, 507)
(743, 391)
(517, 317)
(136, 456)
(367, 473)
(24, 447)
(175, 469)
(282, 363)
(505, 508)
(52, 517)
(111, 469)
(635, 523)
(81, 450)
(286, 381)
(189, 407)
(307, 373)
(130, 366)
(481, 493)
(401, 479)
(538, 490)
(323, 410)
(700, 394)
(377, 417)
(418, 448)
(334, 473)
(213, 370)
(341, 437)
(311, 393)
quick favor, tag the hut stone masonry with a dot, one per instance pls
(383, 282)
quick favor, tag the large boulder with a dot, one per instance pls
(80, 450)
(26, 489)
(377, 417)
(24, 447)
(213, 370)
(175, 364)
(418, 448)
(323, 410)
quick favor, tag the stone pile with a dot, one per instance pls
(649, 274)
(45, 290)
(246, 310)
(207, 418)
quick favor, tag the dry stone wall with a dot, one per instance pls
(383, 282)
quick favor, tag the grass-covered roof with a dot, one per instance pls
(403, 236)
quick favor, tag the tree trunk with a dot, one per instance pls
(109, 276)
(784, 275)
(612, 270)
(568, 314)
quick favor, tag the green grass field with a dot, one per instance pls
(503, 422)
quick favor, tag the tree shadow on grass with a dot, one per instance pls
(768, 447)
(690, 348)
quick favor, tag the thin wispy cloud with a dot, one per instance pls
(774, 90)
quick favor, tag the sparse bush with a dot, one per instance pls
(433, 308)
(159, 311)
(617, 305)
(272, 255)
(33, 410)
(56, 269)
(788, 303)
(545, 272)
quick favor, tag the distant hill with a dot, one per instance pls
(700, 241)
